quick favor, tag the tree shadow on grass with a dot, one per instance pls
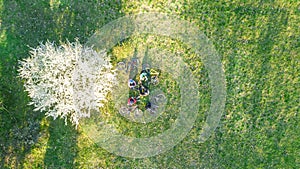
(61, 149)
(27, 23)
(245, 36)
(19, 125)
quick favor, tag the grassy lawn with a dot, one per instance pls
(259, 42)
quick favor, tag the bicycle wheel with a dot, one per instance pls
(124, 111)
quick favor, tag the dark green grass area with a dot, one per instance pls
(260, 48)
(25, 24)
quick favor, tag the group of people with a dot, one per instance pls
(141, 86)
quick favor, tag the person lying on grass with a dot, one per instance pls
(144, 76)
(131, 84)
(143, 90)
(131, 101)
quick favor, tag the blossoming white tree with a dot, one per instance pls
(67, 81)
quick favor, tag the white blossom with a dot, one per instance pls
(67, 81)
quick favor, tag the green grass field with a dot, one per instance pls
(259, 42)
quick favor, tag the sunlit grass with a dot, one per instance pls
(259, 45)
(35, 158)
(54, 3)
